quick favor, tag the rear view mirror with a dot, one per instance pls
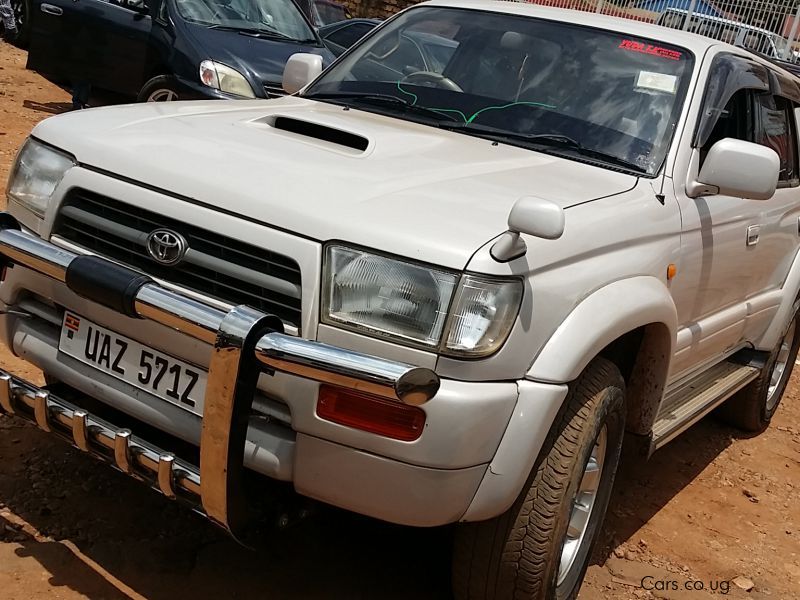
(738, 168)
(300, 70)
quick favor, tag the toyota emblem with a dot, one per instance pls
(166, 246)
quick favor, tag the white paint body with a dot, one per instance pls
(442, 198)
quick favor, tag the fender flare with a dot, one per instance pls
(791, 289)
(602, 317)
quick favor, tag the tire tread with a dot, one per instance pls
(518, 544)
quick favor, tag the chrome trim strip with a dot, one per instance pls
(166, 480)
(346, 368)
(122, 451)
(35, 253)
(179, 312)
(40, 410)
(5, 394)
(80, 429)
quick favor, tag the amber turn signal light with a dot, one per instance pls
(370, 413)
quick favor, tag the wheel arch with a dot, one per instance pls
(633, 324)
(642, 357)
(604, 318)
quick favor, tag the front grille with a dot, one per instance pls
(274, 90)
(221, 267)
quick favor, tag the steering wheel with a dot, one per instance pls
(437, 79)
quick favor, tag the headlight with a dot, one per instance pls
(225, 79)
(35, 175)
(384, 297)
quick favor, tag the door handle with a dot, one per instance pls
(752, 234)
(52, 10)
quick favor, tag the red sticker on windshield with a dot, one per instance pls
(650, 49)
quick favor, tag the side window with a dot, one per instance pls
(764, 119)
(776, 130)
(735, 121)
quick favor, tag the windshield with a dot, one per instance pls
(280, 17)
(590, 93)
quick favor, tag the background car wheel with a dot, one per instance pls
(540, 548)
(751, 409)
(163, 88)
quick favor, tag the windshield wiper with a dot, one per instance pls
(541, 139)
(380, 99)
(256, 32)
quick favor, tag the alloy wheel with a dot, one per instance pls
(582, 506)
(162, 95)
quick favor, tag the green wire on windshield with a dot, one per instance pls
(477, 113)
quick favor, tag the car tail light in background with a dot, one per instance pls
(370, 413)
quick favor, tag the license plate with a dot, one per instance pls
(141, 366)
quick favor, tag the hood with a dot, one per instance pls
(377, 181)
(260, 59)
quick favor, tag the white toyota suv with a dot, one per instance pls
(435, 285)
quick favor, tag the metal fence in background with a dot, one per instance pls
(769, 27)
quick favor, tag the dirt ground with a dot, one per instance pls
(713, 509)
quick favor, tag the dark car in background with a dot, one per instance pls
(158, 50)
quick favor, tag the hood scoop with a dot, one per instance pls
(320, 132)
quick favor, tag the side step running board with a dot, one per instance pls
(691, 401)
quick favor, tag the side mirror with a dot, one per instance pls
(300, 70)
(535, 216)
(738, 168)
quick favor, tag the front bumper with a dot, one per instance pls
(244, 343)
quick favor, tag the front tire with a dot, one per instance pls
(162, 88)
(540, 548)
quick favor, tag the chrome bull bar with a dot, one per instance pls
(245, 342)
